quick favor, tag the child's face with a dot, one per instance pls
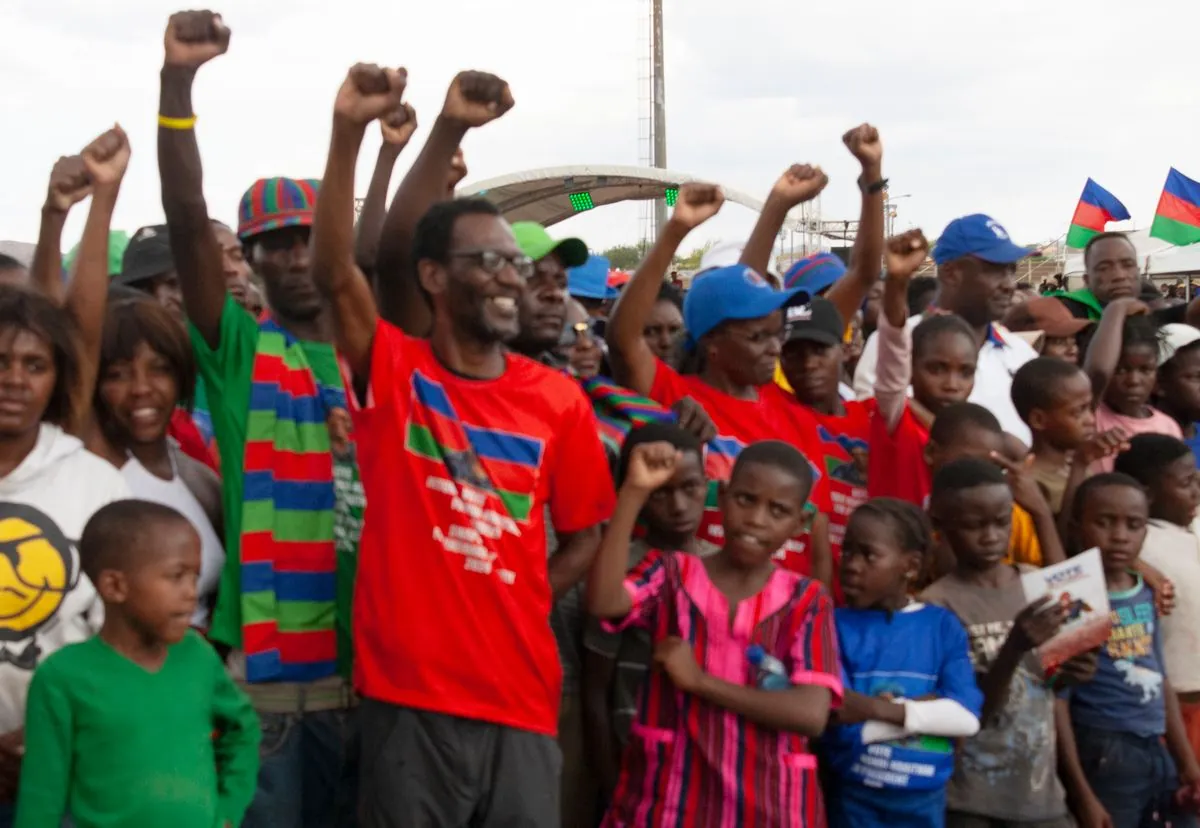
(673, 510)
(160, 593)
(762, 506)
(875, 569)
(944, 372)
(970, 442)
(1132, 383)
(1176, 492)
(976, 523)
(1113, 518)
(1179, 383)
(813, 369)
(1065, 348)
(1070, 421)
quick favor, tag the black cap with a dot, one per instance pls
(148, 255)
(813, 319)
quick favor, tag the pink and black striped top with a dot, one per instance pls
(692, 763)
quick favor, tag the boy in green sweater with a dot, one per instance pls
(138, 727)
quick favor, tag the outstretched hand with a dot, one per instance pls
(697, 203)
(69, 184)
(370, 92)
(107, 158)
(476, 98)
(799, 183)
(193, 38)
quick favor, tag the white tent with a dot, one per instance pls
(1165, 259)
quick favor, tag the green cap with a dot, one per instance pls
(118, 240)
(536, 243)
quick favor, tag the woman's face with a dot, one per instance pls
(747, 350)
(663, 330)
(27, 378)
(141, 395)
(578, 344)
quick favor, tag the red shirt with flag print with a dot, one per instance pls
(741, 422)
(896, 465)
(452, 600)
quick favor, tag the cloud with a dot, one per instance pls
(1002, 108)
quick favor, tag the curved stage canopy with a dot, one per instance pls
(553, 194)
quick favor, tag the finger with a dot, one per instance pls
(1003, 462)
(368, 79)
(219, 32)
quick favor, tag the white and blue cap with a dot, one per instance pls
(733, 292)
(980, 236)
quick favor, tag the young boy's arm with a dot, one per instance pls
(46, 768)
(1033, 626)
(1085, 804)
(236, 748)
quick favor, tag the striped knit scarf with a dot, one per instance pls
(289, 562)
(618, 410)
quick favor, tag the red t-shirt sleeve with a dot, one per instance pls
(668, 387)
(581, 484)
(387, 350)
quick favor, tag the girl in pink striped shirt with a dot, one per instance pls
(710, 748)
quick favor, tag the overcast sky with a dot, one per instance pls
(1000, 108)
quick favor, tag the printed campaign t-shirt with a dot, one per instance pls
(226, 372)
(1008, 770)
(1126, 694)
(46, 602)
(452, 605)
(845, 442)
(773, 416)
(896, 460)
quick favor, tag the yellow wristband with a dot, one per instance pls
(176, 123)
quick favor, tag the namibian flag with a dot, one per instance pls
(488, 460)
(1097, 207)
(1177, 219)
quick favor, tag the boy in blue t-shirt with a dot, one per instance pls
(1117, 767)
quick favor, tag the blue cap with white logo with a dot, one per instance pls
(980, 236)
(733, 292)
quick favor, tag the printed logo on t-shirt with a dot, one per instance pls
(38, 567)
(852, 471)
(1132, 637)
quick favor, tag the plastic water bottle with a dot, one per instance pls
(771, 672)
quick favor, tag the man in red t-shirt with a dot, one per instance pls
(463, 448)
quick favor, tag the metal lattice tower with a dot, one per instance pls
(652, 108)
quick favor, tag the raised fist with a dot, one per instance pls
(651, 465)
(800, 183)
(69, 184)
(107, 158)
(904, 254)
(370, 92)
(398, 126)
(864, 144)
(458, 170)
(697, 203)
(475, 98)
(193, 38)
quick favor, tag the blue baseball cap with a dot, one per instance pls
(815, 273)
(590, 280)
(980, 236)
(733, 292)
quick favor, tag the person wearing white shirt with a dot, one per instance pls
(976, 262)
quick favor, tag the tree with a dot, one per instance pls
(626, 256)
(692, 260)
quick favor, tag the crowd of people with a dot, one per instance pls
(411, 520)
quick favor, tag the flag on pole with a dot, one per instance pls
(1177, 219)
(1097, 206)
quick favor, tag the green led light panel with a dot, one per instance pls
(671, 195)
(581, 202)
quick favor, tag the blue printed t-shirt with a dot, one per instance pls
(920, 651)
(1126, 694)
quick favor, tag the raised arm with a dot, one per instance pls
(474, 99)
(106, 160)
(632, 360)
(192, 39)
(849, 291)
(1104, 351)
(69, 185)
(905, 253)
(798, 184)
(368, 93)
(374, 209)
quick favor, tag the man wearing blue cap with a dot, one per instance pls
(977, 263)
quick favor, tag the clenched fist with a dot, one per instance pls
(193, 38)
(650, 466)
(864, 144)
(798, 184)
(398, 126)
(476, 98)
(370, 92)
(904, 254)
(107, 158)
(697, 203)
(69, 184)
